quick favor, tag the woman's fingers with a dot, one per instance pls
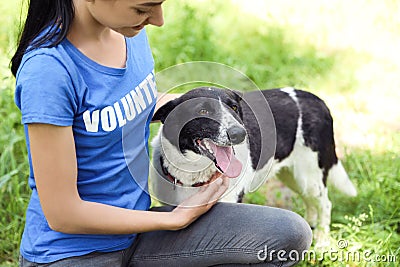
(208, 194)
(198, 204)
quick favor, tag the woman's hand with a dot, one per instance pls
(195, 206)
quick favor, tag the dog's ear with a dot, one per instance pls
(236, 94)
(163, 112)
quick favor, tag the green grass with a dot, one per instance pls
(368, 222)
(267, 53)
(272, 55)
(14, 191)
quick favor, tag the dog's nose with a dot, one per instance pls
(236, 134)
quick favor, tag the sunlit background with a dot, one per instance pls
(370, 32)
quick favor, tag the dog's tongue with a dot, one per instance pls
(227, 161)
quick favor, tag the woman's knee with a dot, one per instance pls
(297, 235)
(254, 233)
(288, 241)
(278, 229)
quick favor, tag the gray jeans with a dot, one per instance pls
(227, 235)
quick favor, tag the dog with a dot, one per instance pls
(285, 133)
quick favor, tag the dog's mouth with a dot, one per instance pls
(223, 157)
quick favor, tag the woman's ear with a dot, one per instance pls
(162, 113)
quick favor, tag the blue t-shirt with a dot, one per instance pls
(109, 110)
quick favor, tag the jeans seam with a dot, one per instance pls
(194, 253)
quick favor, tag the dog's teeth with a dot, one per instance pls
(208, 146)
(205, 145)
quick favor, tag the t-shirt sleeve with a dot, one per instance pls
(45, 92)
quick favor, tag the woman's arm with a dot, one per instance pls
(55, 167)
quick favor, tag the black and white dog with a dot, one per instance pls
(249, 137)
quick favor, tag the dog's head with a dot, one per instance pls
(206, 121)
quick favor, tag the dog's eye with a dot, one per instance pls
(203, 111)
(235, 108)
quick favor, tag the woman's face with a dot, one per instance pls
(127, 17)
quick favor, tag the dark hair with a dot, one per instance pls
(54, 15)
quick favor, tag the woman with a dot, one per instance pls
(79, 66)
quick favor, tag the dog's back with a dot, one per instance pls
(300, 118)
(289, 135)
(297, 115)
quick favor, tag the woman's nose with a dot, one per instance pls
(156, 18)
